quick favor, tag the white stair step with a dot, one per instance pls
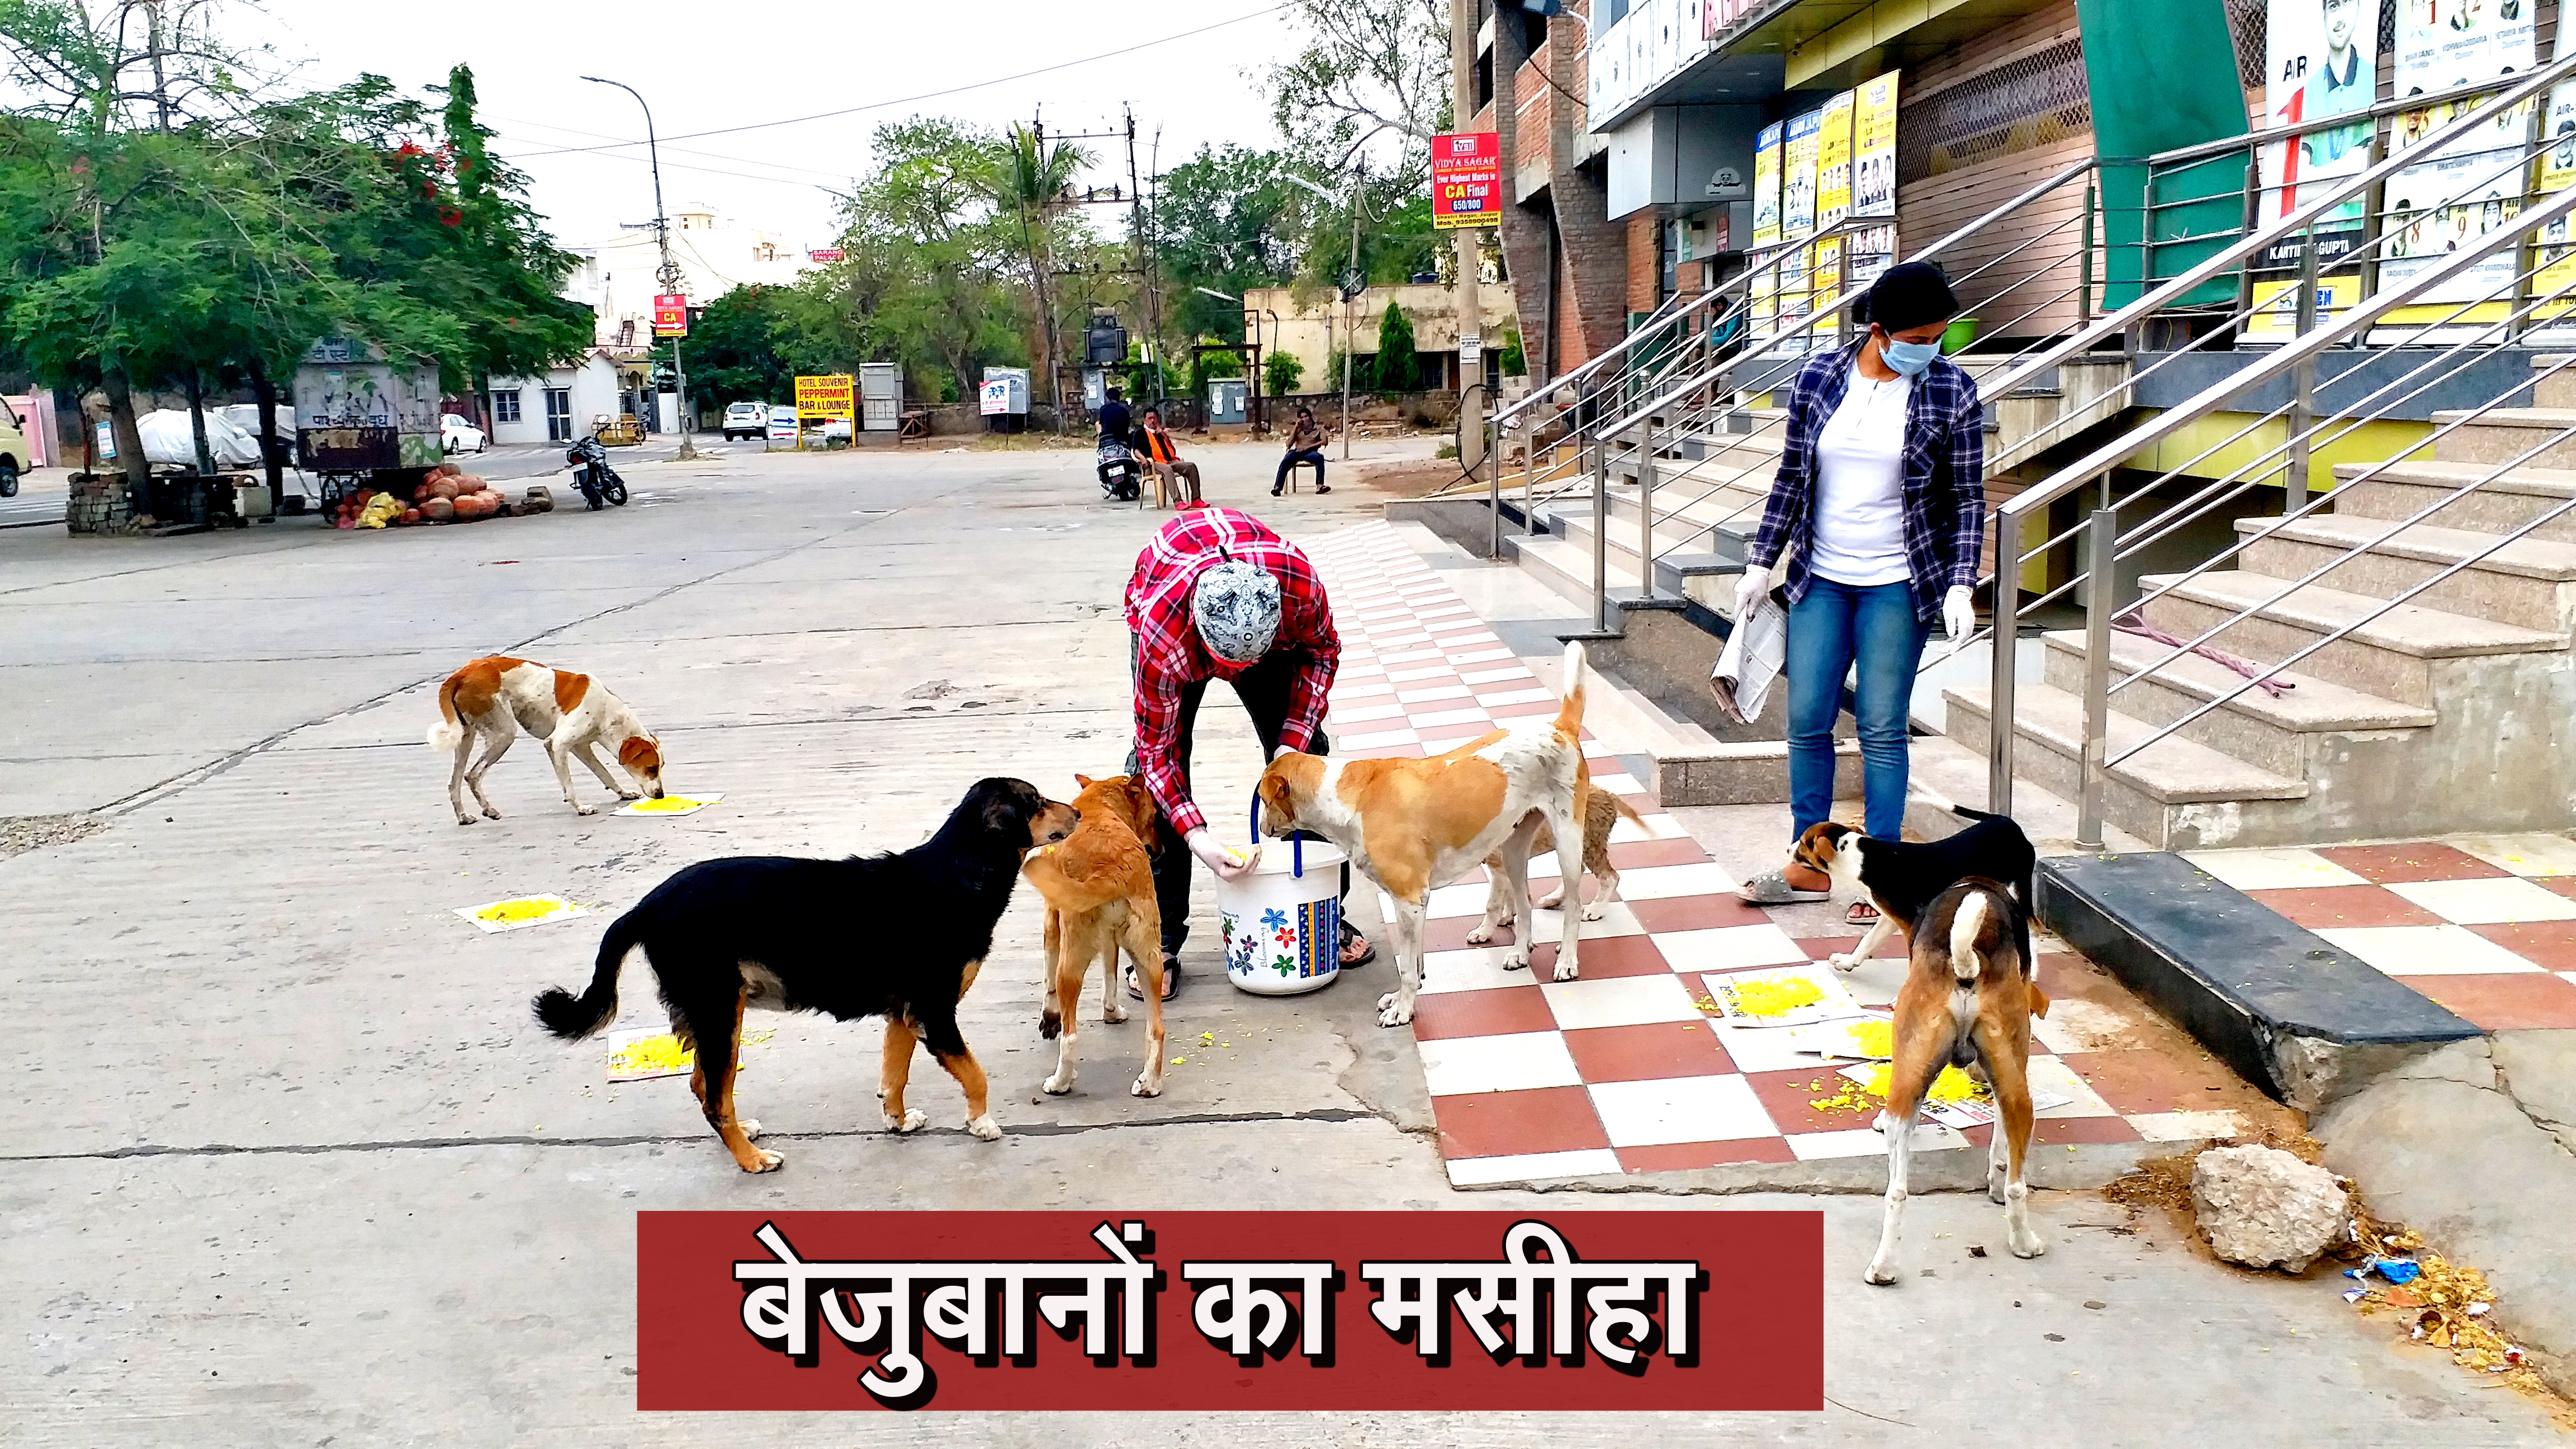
(2408, 629)
(2172, 771)
(2311, 705)
(2526, 557)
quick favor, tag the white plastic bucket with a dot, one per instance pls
(1283, 922)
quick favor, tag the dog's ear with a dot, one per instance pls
(1277, 799)
(1009, 805)
(639, 752)
(1082, 781)
(2038, 1000)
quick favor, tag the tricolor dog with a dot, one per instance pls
(1902, 877)
(1967, 1002)
(490, 700)
(1411, 825)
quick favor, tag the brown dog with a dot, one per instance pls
(1967, 1001)
(1600, 811)
(1099, 889)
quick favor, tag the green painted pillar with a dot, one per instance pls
(2163, 74)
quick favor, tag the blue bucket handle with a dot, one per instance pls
(1296, 842)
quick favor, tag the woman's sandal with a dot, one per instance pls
(1862, 913)
(1772, 888)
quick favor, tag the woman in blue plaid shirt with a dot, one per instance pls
(1874, 527)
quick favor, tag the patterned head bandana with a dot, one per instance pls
(1237, 609)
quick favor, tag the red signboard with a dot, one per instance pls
(824, 254)
(670, 315)
(1467, 179)
(1229, 1310)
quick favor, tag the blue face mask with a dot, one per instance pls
(1909, 358)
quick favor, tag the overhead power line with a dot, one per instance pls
(1119, 54)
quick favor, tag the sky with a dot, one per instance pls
(715, 67)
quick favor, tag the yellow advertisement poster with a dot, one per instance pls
(1825, 279)
(1834, 162)
(1766, 186)
(2553, 285)
(2276, 307)
(1874, 148)
(1762, 297)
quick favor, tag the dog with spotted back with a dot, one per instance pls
(491, 700)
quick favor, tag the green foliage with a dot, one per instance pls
(932, 249)
(747, 345)
(1223, 220)
(1395, 371)
(1280, 372)
(1514, 363)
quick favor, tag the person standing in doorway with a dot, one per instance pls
(1305, 445)
(1875, 523)
(1216, 595)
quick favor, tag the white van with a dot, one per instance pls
(14, 454)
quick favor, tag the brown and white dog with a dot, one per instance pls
(1412, 825)
(1099, 890)
(1901, 877)
(1601, 812)
(1967, 1002)
(492, 699)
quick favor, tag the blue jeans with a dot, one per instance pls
(1831, 628)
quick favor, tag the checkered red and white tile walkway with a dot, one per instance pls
(1621, 1071)
(2487, 927)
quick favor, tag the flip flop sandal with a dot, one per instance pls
(1350, 934)
(1171, 981)
(1862, 913)
(1772, 888)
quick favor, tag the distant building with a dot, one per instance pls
(567, 402)
(619, 277)
(1313, 333)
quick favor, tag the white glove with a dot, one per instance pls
(1958, 614)
(1225, 863)
(1749, 591)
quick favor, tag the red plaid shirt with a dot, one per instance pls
(1169, 656)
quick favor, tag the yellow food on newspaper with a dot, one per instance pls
(1775, 997)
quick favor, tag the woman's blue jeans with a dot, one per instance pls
(1831, 629)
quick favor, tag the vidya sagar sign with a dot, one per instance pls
(1466, 179)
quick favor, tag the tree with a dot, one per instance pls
(1369, 71)
(1395, 369)
(1226, 221)
(743, 347)
(1034, 183)
(1280, 372)
(931, 253)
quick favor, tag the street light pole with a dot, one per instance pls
(669, 276)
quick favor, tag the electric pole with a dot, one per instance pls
(669, 276)
(1471, 317)
(1353, 285)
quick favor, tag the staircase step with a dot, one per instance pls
(2174, 795)
(2500, 505)
(2389, 657)
(2256, 726)
(2521, 582)
(2499, 435)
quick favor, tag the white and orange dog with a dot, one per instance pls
(1412, 825)
(491, 700)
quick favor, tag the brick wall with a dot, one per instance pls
(1644, 280)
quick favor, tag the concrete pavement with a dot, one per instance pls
(288, 1162)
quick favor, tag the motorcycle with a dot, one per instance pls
(1122, 477)
(592, 475)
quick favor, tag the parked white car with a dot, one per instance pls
(460, 436)
(745, 420)
(782, 423)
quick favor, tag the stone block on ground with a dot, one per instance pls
(2264, 1208)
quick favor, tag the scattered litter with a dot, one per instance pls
(2445, 1306)
(672, 804)
(1788, 996)
(1977, 1250)
(1870, 1038)
(510, 915)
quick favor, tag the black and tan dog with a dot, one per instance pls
(899, 936)
(1902, 877)
(1967, 1002)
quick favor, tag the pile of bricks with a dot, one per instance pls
(98, 504)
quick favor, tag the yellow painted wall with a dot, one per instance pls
(2370, 442)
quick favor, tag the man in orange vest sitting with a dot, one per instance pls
(1164, 457)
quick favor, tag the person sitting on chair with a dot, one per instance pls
(1164, 457)
(1305, 445)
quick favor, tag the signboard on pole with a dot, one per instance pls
(826, 397)
(1766, 185)
(825, 254)
(1874, 148)
(1834, 161)
(1466, 179)
(671, 315)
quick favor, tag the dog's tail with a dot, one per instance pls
(574, 1017)
(1569, 719)
(1965, 926)
(444, 735)
(1964, 813)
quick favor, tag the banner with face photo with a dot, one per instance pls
(2554, 285)
(2321, 59)
(1766, 185)
(2476, 185)
(1874, 148)
(1834, 162)
(1798, 176)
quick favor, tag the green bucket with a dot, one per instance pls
(1956, 337)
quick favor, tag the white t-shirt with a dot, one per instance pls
(1858, 534)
